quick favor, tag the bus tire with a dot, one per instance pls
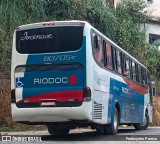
(144, 125)
(58, 130)
(112, 128)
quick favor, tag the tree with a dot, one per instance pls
(130, 35)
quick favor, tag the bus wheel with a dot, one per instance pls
(58, 130)
(112, 128)
(143, 125)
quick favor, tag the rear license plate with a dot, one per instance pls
(48, 103)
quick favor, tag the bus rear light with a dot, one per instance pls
(87, 94)
(13, 96)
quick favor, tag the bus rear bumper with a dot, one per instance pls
(52, 114)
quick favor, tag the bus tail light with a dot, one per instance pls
(13, 96)
(87, 94)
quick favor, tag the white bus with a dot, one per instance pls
(67, 74)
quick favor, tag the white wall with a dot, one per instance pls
(153, 8)
(152, 29)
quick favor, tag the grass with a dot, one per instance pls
(20, 127)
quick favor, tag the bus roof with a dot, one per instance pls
(50, 24)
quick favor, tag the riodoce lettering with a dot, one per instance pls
(34, 37)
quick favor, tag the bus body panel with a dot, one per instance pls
(132, 98)
(52, 114)
(110, 89)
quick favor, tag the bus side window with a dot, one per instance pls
(122, 62)
(119, 56)
(134, 70)
(130, 66)
(144, 78)
(139, 74)
(142, 75)
(95, 41)
(109, 56)
(147, 78)
(126, 71)
(97, 49)
(115, 59)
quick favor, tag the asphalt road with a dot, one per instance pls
(125, 136)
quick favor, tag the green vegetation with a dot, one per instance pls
(20, 127)
(122, 25)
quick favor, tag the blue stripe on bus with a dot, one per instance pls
(131, 103)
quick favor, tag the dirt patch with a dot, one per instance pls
(156, 111)
(6, 123)
(5, 101)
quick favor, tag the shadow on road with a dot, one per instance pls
(90, 136)
(128, 130)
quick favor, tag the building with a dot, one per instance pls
(153, 24)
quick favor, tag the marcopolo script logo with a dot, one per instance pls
(72, 79)
(34, 37)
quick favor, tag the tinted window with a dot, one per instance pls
(50, 39)
(126, 67)
(119, 56)
(114, 59)
(98, 49)
(144, 77)
(139, 74)
(109, 55)
(134, 71)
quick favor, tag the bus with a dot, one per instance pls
(67, 74)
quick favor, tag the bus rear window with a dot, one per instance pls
(50, 39)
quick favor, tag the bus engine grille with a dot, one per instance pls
(97, 111)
